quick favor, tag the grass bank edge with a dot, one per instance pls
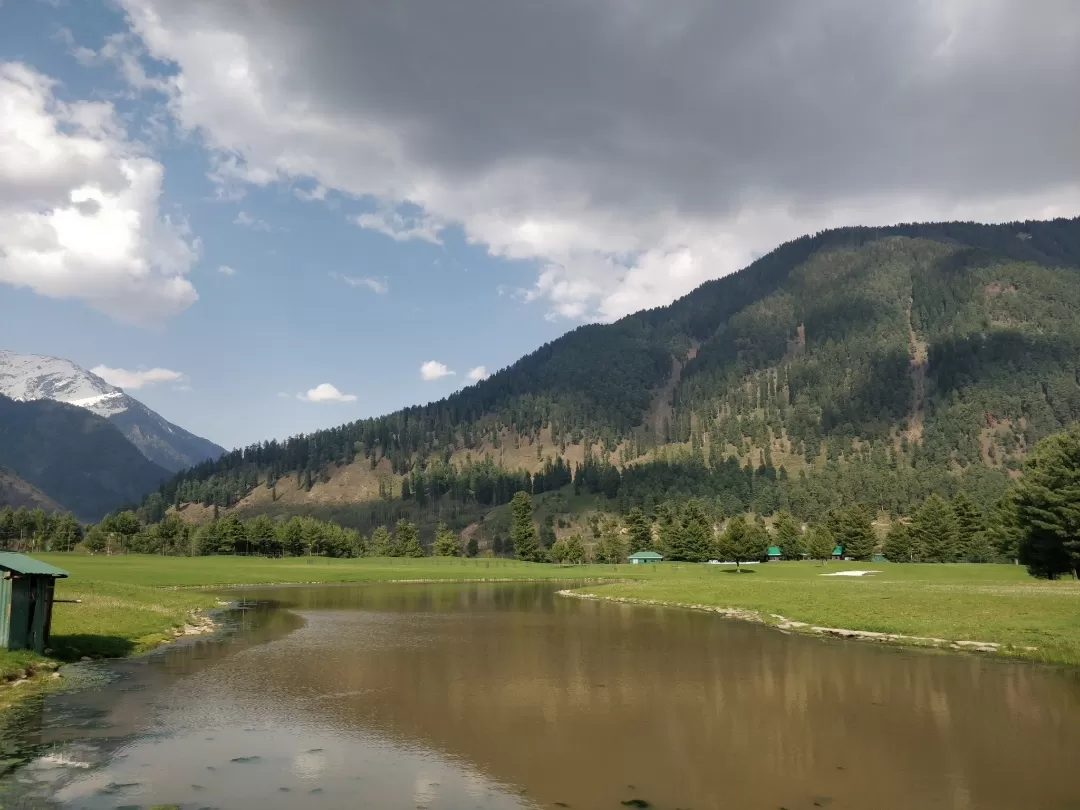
(112, 620)
(1040, 623)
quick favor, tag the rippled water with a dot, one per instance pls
(507, 696)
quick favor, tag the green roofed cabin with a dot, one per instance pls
(838, 553)
(26, 601)
(773, 553)
(646, 557)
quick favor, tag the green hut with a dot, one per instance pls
(645, 557)
(26, 600)
(773, 553)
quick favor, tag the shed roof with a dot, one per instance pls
(838, 551)
(774, 551)
(21, 564)
(646, 555)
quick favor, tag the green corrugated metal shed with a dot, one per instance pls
(21, 564)
(838, 551)
(773, 551)
(26, 600)
(646, 557)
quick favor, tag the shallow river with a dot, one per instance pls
(508, 696)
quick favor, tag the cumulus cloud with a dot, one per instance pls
(133, 380)
(79, 207)
(325, 392)
(226, 270)
(376, 285)
(434, 370)
(477, 373)
(665, 144)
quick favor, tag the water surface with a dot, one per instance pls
(508, 696)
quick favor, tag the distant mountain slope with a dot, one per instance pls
(76, 457)
(951, 344)
(16, 493)
(32, 377)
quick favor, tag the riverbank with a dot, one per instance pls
(132, 603)
(995, 609)
(111, 620)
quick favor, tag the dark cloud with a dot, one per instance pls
(618, 110)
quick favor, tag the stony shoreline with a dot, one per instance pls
(37, 673)
(785, 624)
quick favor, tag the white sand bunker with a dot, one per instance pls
(849, 573)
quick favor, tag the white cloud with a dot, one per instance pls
(325, 392)
(79, 207)
(401, 228)
(132, 380)
(640, 163)
(374, 284)
(434, 370)
(315, 193)
(226, 270)
(477, 373)
(245, 219)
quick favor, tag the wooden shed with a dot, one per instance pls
(26, 601)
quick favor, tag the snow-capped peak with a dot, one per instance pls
(33, 376)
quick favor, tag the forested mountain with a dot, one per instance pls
(872, 364)
(33, 376)
(19, 494)
(78, 459)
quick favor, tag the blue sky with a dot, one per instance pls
(286, 319)
(264, 198)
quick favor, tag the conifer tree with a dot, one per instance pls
(669, 534)
(1048, 506)
(407, 540)
(547, 532)
(381, 543)
(788, 535)
(933, 531)
(695, 538)
(970, 527)
(575, 549)
(522, 531)
(639, 530)
(898, 544)
(1003, 528)
(820, 543)
(852, 528)
(472, 548)
(752, 544)
(446, 542)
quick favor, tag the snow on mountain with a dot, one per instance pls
(30, 376)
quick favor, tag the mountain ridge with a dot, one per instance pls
(17, 493)
(77, 458)
(26, 377)
(940, 345)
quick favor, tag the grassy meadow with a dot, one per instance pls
(131, 603)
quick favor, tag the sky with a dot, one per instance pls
(262, 217)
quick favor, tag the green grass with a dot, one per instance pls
(208, 571)
(130, 603)
(995, 603)
(113, 620)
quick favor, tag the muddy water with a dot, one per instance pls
(507, 696)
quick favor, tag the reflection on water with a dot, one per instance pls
(507, 696)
